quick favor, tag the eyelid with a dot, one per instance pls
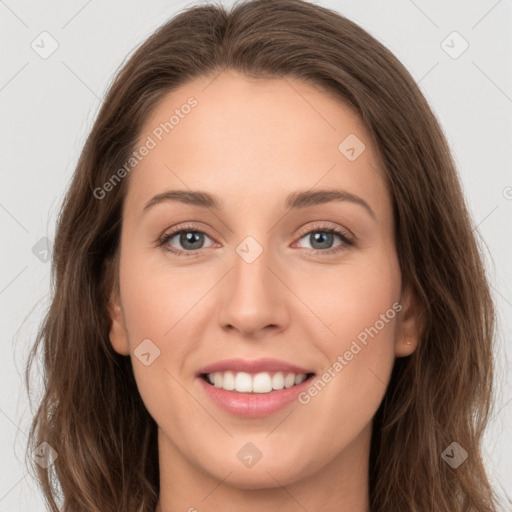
(322, 224)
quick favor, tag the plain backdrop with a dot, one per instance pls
(48, 106)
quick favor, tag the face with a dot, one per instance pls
(257, 273)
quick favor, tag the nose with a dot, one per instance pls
(254, 298)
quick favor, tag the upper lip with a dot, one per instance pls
(264, 364)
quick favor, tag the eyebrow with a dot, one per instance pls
(295, 200)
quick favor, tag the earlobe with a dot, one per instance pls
(118, 335)
(409, 324)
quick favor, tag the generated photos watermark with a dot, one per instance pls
(157, 135)
(342, 360)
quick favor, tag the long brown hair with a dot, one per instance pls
(91, 412)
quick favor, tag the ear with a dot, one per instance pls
(118, 335)
(409, 323)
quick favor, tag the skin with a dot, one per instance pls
(249, 139)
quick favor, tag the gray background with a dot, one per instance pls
(48, 106)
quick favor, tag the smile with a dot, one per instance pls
(253, 404)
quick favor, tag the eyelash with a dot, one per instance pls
(321, 228)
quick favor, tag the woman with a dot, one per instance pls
(248, 370)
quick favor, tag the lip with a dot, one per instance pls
(252, 405)
(264, 364)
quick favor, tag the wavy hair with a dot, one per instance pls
(90, 411)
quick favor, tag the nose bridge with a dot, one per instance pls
(252, 279)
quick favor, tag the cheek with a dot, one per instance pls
(348, 299)
(355, 310)
(156, 300)
(155, 296)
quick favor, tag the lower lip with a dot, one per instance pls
(253, 405)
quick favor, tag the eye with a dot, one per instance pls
(189, 237)
(322, 237)
(192, 239)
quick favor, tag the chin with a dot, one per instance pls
(267, 472)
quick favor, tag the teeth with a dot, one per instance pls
(243, 382)
(228, 381)
(263, 382)
(278, 381)
(299, 378)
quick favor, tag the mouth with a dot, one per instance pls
(253, 388)
(255, 383)
(253, 395)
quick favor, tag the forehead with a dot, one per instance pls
(250, 138)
